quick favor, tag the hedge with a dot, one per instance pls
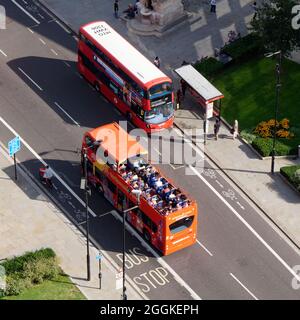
(290, 173)
(265, 145)
(31, 268)
(208, 66)
(16, 264)
(244, 47)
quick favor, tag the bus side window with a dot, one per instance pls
(114, 88)
(148, 222)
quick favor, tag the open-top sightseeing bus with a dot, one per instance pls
(166, 216)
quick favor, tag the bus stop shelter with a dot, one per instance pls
(207, 95)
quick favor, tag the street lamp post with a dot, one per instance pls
(278, 85)
(87, 192)
(137, 193)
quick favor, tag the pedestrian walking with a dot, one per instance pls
(157, 62)
(183, 85)
(213, 5)
(217, 128)
(235, 129)
(255, 8)
(178, 98)
(116, 8)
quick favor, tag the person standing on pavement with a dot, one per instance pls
(116, 8)
(235, 129)
(157, 62)
(178, 98)
(213, 5)
(183, 85)
(217, 128)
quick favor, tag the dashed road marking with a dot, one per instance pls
(66, 114)
(27, 76)
(201, 245)
(5, 55)
(54, 52)
(30, 30)
(242, 207)
(239, 282)
(219, 183)
(42, 41)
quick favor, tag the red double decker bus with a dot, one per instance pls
(166, 216)
(125, 77)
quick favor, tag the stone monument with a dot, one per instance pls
(160, 12)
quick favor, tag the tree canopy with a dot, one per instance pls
(273, 24)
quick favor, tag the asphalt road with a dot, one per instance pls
(239, 255)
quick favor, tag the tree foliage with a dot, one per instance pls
(273, 24)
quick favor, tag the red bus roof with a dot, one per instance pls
(122, 51)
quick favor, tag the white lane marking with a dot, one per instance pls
(242, 207)
(62, 26)
(26, 12)
(5, 55)
(54, 52)
(75, 38)
(66, 63)
(44, 163)
(163, 263)
(201, 245)
(66, 114)
(41, 16)
(27, 76)
(219, 183)
(276, 255)
(239, 282)
(30, 30)
(42, 41)
(24, 1)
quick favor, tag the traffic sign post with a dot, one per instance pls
(14, 146)
(99, 258)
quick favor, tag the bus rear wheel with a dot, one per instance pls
(147, 235)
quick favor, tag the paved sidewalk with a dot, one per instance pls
(29, 221)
